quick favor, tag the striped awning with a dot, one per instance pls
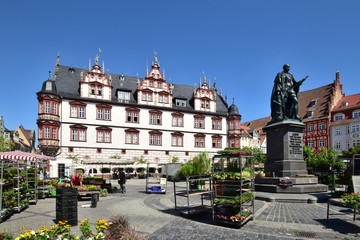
(18, 155)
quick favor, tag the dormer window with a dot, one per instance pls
(123, 95)
(338, 117)
(99, 91)
(180, 102)
(312, 103)
(309, 114)
(151, 83)
(92, 90)
(159, 85)
(356, 114)
(344, 104)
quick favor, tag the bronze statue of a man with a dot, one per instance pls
(284, 96)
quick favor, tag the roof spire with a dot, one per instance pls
(49, 75)
(97, 60)
(57, 65)
(103, 66)
(89, 64)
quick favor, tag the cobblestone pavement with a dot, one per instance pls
(154, 215)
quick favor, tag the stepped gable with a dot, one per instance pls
(68, 80)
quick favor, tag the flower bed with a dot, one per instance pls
(351, 200)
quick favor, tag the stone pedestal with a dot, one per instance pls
(285, 149)
(285, 159)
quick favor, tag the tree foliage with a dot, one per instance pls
(199, 165)
(352, 151)
(6, 145)
(323, 159)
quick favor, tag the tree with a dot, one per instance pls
(324, 159)
(6, 145)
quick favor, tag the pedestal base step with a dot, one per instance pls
(305, 188)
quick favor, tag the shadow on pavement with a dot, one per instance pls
(340, 225)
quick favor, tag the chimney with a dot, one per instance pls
(337, 76)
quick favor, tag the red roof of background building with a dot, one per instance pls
(351, 100)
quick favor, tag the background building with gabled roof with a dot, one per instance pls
(345, 123)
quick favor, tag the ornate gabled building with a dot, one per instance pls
(315, 108)
(93, 115)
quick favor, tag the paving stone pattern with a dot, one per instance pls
(154, 216)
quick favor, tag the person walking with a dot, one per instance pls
(122, 180)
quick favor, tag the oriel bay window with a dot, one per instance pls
(77, 110)
(177, 119)
(48, 131)
(199, 140)
(131, 136)
(48, 105)
(199, 121)
(216, 141)
(78, 133)
(155, 138)
(177, 139)
(132, 115)
(103, 134)
(234, 141)
(103, 112)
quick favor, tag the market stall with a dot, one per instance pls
(20, 174)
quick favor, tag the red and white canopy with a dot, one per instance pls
(18, 155)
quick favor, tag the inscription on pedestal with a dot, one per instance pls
(295, 144)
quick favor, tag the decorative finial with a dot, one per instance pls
(58, 59)
(49, 75)
(97, 59)
(156, 61)
(204, 77)
(233, 101)
(164, 73)
(89, 64)
(103, 66)
(226, 99)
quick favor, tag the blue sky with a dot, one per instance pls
(243, 44)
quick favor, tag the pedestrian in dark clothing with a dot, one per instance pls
(122, 180)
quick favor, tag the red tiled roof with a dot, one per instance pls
(351, 100)
(257, 124)
(322, 96)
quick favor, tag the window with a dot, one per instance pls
(199, 121)
(54, 108)
(78, 133)
(356, 142)
(311, 144)
(309, 114)
(338, 117)
(205, 104)
(337, 131)
(155, 117)
(234, 142)
(131, 136)
(321, 126)
(47, 107)
(151, 84)
(77, 110)
(103, 112)
(159, 85)
(356, 114)
(47, 132)
(348, 129)
(180, 103)
(103, 134)
(347, 144)
(54, 133)
(310, 127)
(337, 145)
(155, 138)
(132, 115)
(177, 139)
(147, 96)
(216, 141)
(321, 143)
(96, 89)
(199, 140)
(355, 128)
(177, 120)
(163, 98)
(124, 95)
(312, 103)
(216, 124)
